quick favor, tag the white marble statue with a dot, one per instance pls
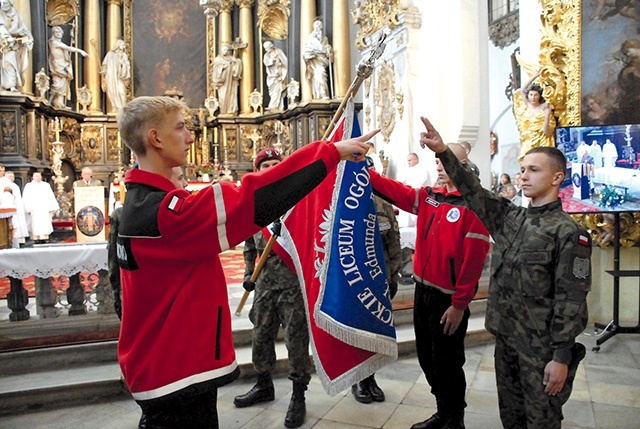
(275, 63)
(227, 72)
(317, 54)
(60, 68)
(116, 72)
(15, 43)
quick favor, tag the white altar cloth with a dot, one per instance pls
(46, 261)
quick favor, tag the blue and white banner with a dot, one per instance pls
(354, 303)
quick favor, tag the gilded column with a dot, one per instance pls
(93, 46)
(307, 15)
(224, 19)
(25, 12)
(341, 48)
(248, 82)
(114, 22)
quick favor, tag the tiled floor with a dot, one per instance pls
(606, 395)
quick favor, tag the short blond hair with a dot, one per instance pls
(142, 113)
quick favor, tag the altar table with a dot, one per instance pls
(44, 261)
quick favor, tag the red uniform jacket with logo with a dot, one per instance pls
(451, 242)
(176, 321)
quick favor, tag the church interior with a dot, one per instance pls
(278, 74)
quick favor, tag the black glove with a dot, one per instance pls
(276, 228)
(248, 285)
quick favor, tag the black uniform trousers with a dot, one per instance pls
(441, 356)
(193, 407)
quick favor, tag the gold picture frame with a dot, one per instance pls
(175, 11)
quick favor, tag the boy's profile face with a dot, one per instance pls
(172, 138)
(539, 179)
(443, 177)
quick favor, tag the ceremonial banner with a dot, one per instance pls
(89, 213)
(331, 238)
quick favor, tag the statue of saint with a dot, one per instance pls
(275, 63)
(317, 54)
(15, 43)
(227, 71)
(536, 121)
(60, 68)
(116, 72)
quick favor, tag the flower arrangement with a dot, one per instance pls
(211, 169)
(610, 197)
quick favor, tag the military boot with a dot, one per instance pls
(297, 407)
(263, 391)
(376, 392)
(455, 420)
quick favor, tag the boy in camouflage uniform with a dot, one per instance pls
(278, 301)
(540, 277)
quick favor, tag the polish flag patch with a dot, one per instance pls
(583, 240)
(175, 204)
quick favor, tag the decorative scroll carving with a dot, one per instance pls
(92, 143)
(113, 149)
(273, 18)
(227, 6)
(372, 15)
(601, 225)
(251, 137)
(560, 59)
(231, 143)
(385, 95)
(9, 136)
(505, 31)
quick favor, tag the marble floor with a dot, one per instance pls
(606, 395)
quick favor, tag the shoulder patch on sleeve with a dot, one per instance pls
(581, 267)
(175, 204)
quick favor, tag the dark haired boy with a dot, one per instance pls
(540, 277)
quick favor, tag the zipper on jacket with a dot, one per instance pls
(218, 334)
(452, 272)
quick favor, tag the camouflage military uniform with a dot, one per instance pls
(277, 301)
(390, 235)
(540, 277)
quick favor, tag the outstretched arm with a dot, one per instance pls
(527, 84)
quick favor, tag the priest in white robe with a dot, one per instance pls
(19, 220)
(40, 203)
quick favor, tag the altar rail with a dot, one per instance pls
(46, 261)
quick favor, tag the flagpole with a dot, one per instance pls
(363, 71)
(256, 272)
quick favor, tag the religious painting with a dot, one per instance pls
(168, 42)
(610, 62)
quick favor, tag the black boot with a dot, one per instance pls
(297, 407)
(361, 392)
(376, 392)
(263, 391)
(455, 420)
(436, 421)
